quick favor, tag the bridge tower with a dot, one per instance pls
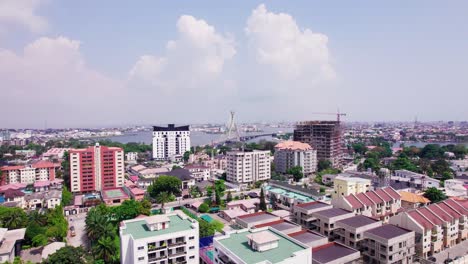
(232, 131)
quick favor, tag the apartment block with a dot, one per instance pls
(381, 203)
(259, 245)
(290, 154)
(415, 180)
(437, 226)
(324, 136)
(388, 244)
(335, 253)
(96, 168)
(303, 213)
(350, 231)
(344, 186)
(326, 220)
(29, 174)
(248, 166)
(162, 239)
(170, 141)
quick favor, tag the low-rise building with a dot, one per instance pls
(169, 238)
(10, 245)
(238, 208)
(285, 196)
(388, 244)
(255, 219)
(259, 245)
(290, 154)
(326, 220)
(309, 238)
(283, 226)
(114, 196)
(303, 212)
(335, 253)
(344, 186)
(350, 231)
(199, 172)
(246, 167)
(416, 180)
(411, 200)
(381, 203)
(437, 226)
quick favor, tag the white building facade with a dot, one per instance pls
(248, 166)
(170, 141)
(289, 154)
(169, 238)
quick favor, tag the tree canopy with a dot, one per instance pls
(435, 195)
(67, 255)
(170, 184)
(296, 172)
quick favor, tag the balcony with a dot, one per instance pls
(177, 254)
(157, 258)
(155, 248)
(177, 243)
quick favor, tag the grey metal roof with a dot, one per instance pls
(388, 231)
(331, 252)
(332, 212)
(358, 221)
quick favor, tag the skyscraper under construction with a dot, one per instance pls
(324, 136)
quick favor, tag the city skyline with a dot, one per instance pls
(101, 64)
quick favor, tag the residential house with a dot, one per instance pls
(303, 212)
(326, 220)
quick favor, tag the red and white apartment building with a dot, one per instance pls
(96, 168)
(28, 174)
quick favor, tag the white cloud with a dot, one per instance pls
(290, 51)
(195, 58)
(22, 12)
(50, 81)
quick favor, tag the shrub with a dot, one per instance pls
(203, 208)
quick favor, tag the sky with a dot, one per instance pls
(115, 63)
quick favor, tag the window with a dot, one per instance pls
(191, 238)
(141, 258)
(141, 248)
(191, 257)
(191, 247)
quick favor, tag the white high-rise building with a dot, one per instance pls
(248, 166)
(167, 238)
(170, 141)
(289, 154)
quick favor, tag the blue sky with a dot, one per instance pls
(142, 62)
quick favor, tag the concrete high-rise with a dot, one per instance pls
(324, 136)
(96, 168)
(289, 154)
(170, 141)
(248, 166)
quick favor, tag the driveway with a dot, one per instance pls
(80, 239)
(34, 255)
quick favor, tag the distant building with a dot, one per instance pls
(28, 153)
(170, 141)
(412, 201)
(248, 166)
(325, 137)
(96, 168)
(54, 153)
(39, 171)
(167, 238)
(415, 180)
(199, 172)
(344, 186)
(131, 156)
(289, 154)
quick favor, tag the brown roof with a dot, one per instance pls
(431, 216)
(449, 210)
(383, 195)
(413, 198)
(441, 213)
(374, 197)
(394, 194)
(332, 212)
(358, 221)
(355, 203)
(270, 223)
(330, 252)
(426, 224)
(312, 205)
(461, 209)
(12, 193)
(388, 231)
(364, 199)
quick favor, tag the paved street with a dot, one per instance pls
(458, 250)
(78, 221)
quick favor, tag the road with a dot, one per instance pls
(80, 239)
(459, 250)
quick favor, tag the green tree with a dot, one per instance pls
(195, 191)
(105, 249)
(66, 168)
(129, 209)
(163, 198)
(220, 187)
(203, 208)
(217, 225)
(37, 217)
(404, 163)
(170, 184)
(262, 204)
(67, 196)
(229, 196)
(440, 166)
(205, 229)
(432, 151)
(323, 165)
(434, 195)
(359, 148)
(67, 255)
(296, 172)
(12, 218)
(186, 156)
(40, 240)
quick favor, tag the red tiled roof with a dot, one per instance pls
(8, 168)
(44, 164)
(461, 209)
(383, 195)
(394, 194)
(364, 199)
(430, 215)
(449, 210)
(250, 215)
(303, 231)
(420, 219)
(441, 213)
(374, 197)
(269, 223)
(306, 204)
(355, 204)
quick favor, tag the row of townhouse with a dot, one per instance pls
(437, 226)
(381, 203)
(17, 198)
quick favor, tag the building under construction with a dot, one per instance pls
(324, 136)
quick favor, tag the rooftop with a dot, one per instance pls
(258, 217)
(333, 212)
(262, 237)
(138, 228)
(237, 243)
(290, 194)
(388, 231)
(307, 237)
(358, 221)
(292, 145)
(111, 194)
(413, 198)
(312, 205)
(331, 252)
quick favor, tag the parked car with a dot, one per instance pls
(72, 231)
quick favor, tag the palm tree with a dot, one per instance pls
(37, 217)
(16, 219)
(105, 249)
(95, 224)
(162, 198)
